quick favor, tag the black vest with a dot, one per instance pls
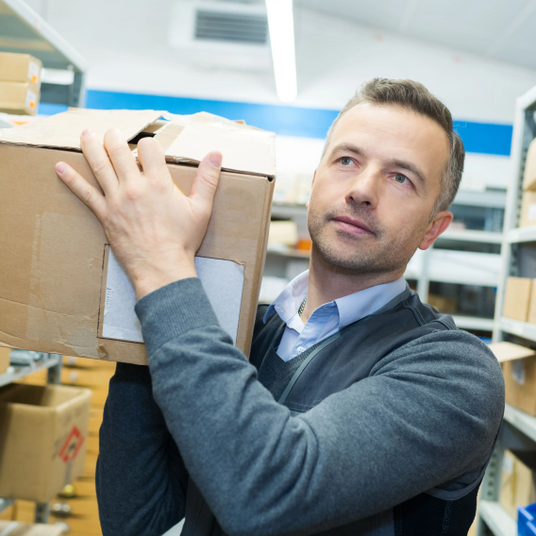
(329, 367)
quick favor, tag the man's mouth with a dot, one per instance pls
(352, 225)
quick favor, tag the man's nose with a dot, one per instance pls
(364, 187)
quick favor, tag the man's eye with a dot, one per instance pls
(345, 160)
(402, 179)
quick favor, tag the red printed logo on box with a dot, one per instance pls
(72, 445)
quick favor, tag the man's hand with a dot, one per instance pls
(153, 228)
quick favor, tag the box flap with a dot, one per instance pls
(507, 351)
(244, 148)
(63, 130)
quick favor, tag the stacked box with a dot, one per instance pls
(517, 298)
(518, 485)
(44, 432)
(20, 83)
(518, 364)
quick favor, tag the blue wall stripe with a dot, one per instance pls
(487, 138)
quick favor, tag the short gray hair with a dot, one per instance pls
(415, 97)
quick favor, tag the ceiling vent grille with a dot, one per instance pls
(242, 28)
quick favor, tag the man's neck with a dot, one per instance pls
(327, 283)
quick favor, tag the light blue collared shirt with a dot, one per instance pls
(328, 318)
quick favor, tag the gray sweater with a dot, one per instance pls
(427, 415)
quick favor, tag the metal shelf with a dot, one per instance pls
(524, 422)
(285, 251)
(492, 199)
(526, 234)
(497, 519)
(23, 31)
(16, 373)
(521, 329)
(468, 235)
(473, 322)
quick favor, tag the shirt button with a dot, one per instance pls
(300, 349)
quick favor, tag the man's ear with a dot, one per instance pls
(312, 184)
(436, 227)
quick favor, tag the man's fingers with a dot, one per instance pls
(82, 189)
(152, 159)
(99, 162)
(120, 155)
(208, 176)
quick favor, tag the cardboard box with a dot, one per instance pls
(519, 370)
(517, 298)
(528, 210)
(61, 289)
(529, 177)
(19, 98)
(443, 304)
(43, 431)
(14, 528)
(532, 304)
(20, 68)
(518, 483)
(4, 358)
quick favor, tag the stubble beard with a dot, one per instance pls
(372, 254)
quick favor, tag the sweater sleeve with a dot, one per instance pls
(140, 478)
(428, 413)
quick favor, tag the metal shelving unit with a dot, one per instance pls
(23, 31)
(519, 428)
(52, 362)
(428, 268)
(497, 519)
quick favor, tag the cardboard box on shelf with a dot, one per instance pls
(517, 297)
(43, 431)
(519, 370)
(4, 358)
(19, 98)
(518, 483)
(529, 177)
(15, 528)
(61, 288)
(20, 68)
(283, 232)
(528, 210)
(442, 303)
(532, 304)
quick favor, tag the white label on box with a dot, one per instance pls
(532, 211)
(508, 464)
(518, 371)
(33, 72)
(31, 100)
(222, 280)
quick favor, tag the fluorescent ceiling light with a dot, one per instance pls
(281, 25)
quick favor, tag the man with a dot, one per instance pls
(362, 411)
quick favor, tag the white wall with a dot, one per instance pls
(125, 43)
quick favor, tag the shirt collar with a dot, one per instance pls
(350, 308)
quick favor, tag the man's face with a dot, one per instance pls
(374, 191)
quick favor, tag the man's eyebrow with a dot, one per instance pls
(347, 147)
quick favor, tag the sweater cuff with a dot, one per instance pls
(171, 311)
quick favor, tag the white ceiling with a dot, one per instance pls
(503, 30)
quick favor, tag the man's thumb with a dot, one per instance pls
(208, 175)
